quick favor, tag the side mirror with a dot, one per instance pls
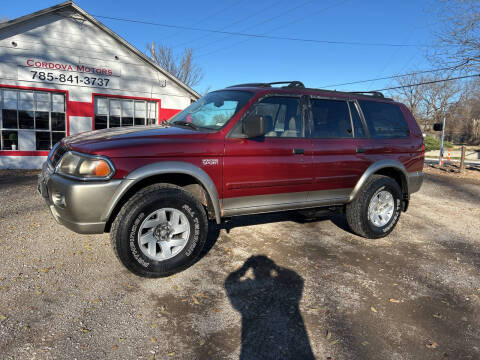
(254, 126)
(438, 127)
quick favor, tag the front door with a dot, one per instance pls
(273, 171)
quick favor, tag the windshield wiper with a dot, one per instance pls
(185, 123)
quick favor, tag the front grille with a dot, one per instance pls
(57, 154)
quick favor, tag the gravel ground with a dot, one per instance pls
(275, 286)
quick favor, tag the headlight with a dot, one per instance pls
(86, 167)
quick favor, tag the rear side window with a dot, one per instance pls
(331, 119)
(384, 120)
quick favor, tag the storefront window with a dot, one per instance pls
(113, 112)
(25, 110)
(140, 112)
(32, 115)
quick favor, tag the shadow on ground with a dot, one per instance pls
(267, 296)
(337, 219)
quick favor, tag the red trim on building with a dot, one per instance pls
(165, 114)
(119, 97)
(32, 88)
(79, 108)
(23, 153)
(67, 125)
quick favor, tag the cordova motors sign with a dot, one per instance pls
(71, 74)
(68, 67)
(48, 65)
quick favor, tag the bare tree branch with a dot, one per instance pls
(412, 96)
(428, 102)
(459, 34)
(183, 68)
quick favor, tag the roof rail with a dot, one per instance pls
(299, 85)
(371, 93)
(291, 84)
(248, 85)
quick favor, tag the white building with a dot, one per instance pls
(63, 72)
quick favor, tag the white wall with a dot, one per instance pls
(22, 162)
(80, 124)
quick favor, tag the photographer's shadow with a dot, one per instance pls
(268, 300)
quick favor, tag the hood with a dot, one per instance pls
(120, 141)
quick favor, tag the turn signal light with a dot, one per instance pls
(102, 168)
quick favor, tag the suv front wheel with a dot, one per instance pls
(161, 230)
(375, 211)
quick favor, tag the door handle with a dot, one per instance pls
(360, 150)
(298, 151)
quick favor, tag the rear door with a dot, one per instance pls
(339, 148)
(273, 171)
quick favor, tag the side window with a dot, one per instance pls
(331, 119)
(358, 129)
(384, 120)
(282, 116)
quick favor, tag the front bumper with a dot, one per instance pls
(79, 206)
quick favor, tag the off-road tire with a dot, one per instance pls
(127, 223)
(357, 210)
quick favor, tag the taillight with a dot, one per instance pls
(423, 150)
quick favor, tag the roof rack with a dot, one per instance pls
(299, 85)
(290, 84)
(371, 93)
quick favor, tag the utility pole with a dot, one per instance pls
(441, 144)
(462, 159)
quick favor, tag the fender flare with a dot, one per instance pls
(165, 167)
(373, 168)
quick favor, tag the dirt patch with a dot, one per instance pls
(471, 172)
(266, 284)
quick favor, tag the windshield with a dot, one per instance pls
(213, 110)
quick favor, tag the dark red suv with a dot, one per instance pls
(250, 148)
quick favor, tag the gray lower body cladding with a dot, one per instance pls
(79, 206)
(286, 201)
(415, 181)
(301, 200)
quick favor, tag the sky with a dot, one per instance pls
(228, 59)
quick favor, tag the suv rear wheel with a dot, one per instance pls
(375, 211)
(161, 230)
